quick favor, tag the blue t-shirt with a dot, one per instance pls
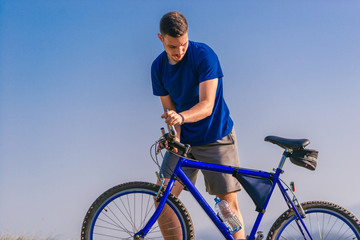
(181, 81)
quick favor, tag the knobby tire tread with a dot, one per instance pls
(313, 204)
(135, 185)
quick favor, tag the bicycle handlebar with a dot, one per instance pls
(172, 143)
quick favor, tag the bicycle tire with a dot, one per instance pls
(123, 210)
(324, 220)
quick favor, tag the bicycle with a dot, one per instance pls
(128, 211)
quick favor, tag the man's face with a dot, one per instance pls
(175, 47)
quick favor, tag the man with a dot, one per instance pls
(188, 78)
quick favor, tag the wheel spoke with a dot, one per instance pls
(324, 221)
(121, 213)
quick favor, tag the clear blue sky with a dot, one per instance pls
(77, 114)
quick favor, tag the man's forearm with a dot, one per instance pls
(207, 94)
(198, 112)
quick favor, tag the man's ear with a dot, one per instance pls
(160, 37)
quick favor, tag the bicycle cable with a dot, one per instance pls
(155, 159)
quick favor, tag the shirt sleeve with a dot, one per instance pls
(209, 65)
(157, 83)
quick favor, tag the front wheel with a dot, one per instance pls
(324, 220)
(124, 210)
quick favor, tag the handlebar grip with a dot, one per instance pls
(179, 145)
(184, 148)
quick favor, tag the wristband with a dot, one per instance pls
(182, 119)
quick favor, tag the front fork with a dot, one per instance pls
(161, 197)
(161, 189)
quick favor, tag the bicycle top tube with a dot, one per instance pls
(221, 168)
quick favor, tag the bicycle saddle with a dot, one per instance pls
(294, 144)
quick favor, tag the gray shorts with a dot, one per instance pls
(223, 151)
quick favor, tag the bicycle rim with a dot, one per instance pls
(122, 214)
(323, 222)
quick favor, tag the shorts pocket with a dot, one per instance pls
(227, 140)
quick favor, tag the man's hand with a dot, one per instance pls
(172, 118)
(161, 146)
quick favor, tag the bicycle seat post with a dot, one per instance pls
(283, 158)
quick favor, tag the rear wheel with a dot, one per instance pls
(124, 210)
(324, 220)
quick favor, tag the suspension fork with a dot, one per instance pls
(162, 197)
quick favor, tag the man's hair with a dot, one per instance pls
(173, 24)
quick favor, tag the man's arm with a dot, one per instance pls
(169, 105)
(207, 94)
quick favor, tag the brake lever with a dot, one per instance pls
(163, 142)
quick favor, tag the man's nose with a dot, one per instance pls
(181, 50)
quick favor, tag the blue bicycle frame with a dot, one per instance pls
(179, 174)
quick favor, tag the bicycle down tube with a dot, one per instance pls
(179, 173)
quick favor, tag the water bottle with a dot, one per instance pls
(227, 216)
